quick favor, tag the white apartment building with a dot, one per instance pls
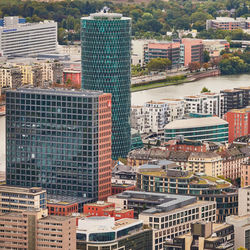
(241, 230)
(137, 117)
(153, 116)
(244, 201)
(27, 39)
(156, 116)
(176, 109)
(206, 103)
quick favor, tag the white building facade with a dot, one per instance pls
(27, 39)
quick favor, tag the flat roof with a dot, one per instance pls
(65, 200)
(21, 190)
(195, 122)
(124, 222)
(164, 202)
(105, 16)
(59, 91)
(56, 218)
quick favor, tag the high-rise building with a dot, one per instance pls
(106, 46)
(238, 123)
(233, 99)
(59, 140)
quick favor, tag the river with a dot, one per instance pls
(215, 84)
(138, 98)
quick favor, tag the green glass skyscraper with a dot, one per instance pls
(106, 48)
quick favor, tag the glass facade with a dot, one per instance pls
(106, 46)
(216, 133)
(52, 141)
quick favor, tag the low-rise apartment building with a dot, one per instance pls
(205, 103)
(17, 199)
(232, 160)
(10, 77)
(245, 174)
(208, 163)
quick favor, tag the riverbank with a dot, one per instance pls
(174, 80)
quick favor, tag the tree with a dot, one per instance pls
(206, 66)
(194, 66)
(205, 90)
(206, 56)
(159, 64)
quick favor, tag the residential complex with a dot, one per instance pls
(22, 39)
(10, 77)
(169, 215)
(228, 23)
(17, 199)
(204, 235)
(164, 179)
(106, 46)
(106, 233)
(238, 123)
(208, 163)
(204, 129)
(232, 163)
(59, 140)
(205, 103)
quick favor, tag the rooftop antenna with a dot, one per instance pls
(105, 9)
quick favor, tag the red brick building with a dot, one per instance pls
(73, 76)
(62, 208)
(238, 123)
(118, 188)
(186, 146)
(101, 208)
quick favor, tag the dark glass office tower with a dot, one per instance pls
(59, 140)
(106, 46)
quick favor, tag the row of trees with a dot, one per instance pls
(149, 20)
